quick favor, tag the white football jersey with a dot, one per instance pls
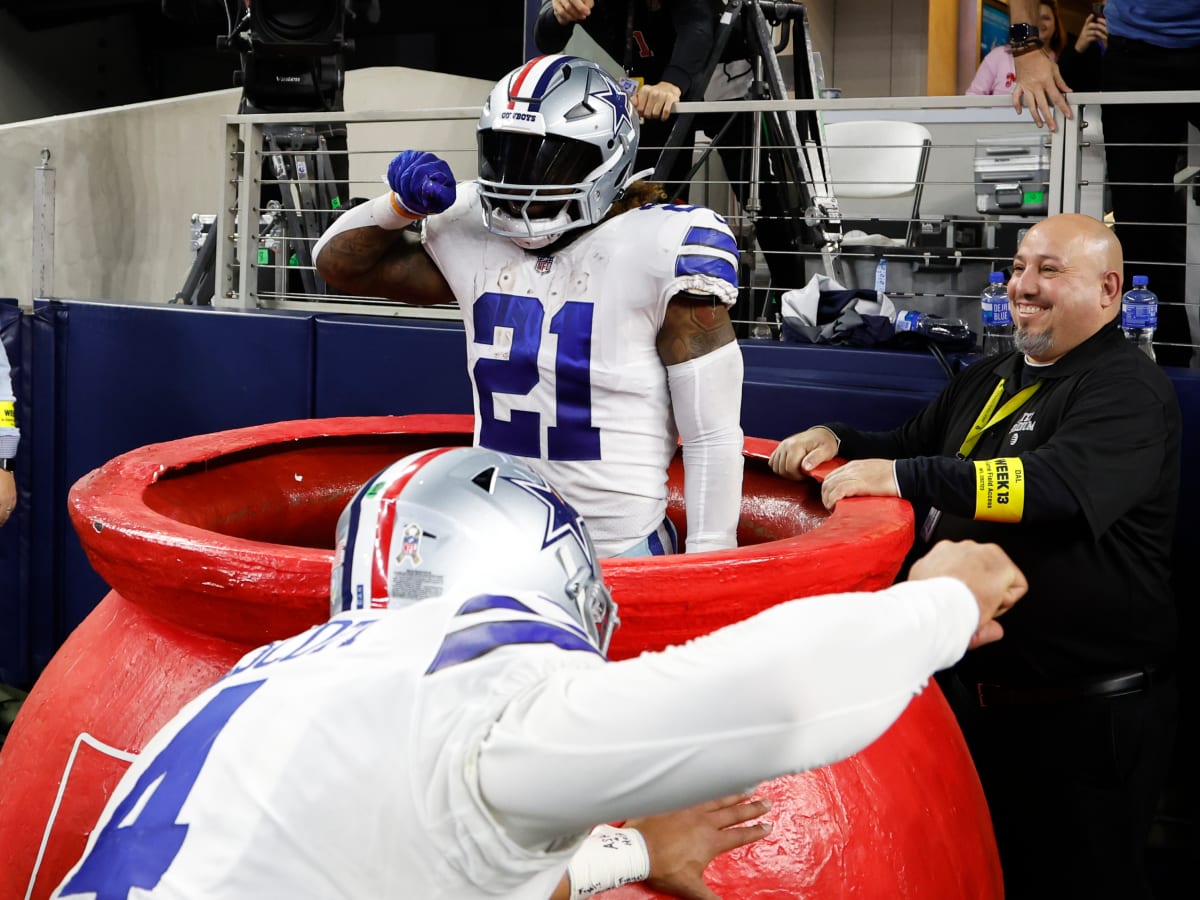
(562, 355)
(462, 748)
(340, 763)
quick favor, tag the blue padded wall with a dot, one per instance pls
(383, 367)
(790, 387)
(109, 378)
(15, 666)
(98, 379)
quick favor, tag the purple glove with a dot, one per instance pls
(423, 182)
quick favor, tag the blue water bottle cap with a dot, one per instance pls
(1140, 280)
(996, 278)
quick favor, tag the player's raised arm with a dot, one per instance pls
(370, 251)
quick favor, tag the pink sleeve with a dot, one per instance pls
(996, 73)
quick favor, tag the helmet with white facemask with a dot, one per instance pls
(557, 142)
(467, 520)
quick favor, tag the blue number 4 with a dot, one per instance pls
(573, 436)
(136, 854)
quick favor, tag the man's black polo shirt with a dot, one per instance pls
(1099, 441)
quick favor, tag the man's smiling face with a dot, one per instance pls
(1065, 285)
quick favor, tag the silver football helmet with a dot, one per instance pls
(557, 141)
(471, 521)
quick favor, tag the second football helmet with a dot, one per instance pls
(469, 521)
(557, 142)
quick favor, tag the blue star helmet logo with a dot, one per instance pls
(616, 98)
(561, 519)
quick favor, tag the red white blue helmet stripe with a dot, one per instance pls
(529, 84)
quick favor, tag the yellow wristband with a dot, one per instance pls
(999, 489)
(8, 414)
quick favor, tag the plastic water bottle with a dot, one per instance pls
(997, 318)
(945, 330)
(761, 329)
(1139, 314)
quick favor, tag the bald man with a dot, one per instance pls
(1152, 45)
(1066, 453)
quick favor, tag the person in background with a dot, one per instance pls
(456, 731)
(996, 74)
(11, 697)
(1079, 62)
(1152, 45)
(664, 46)
(10, 438)
(597, 324)
(1066, 453)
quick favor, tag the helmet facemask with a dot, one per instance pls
(557, 143)
(596, 606)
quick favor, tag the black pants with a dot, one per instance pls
(1151, 213)
(1072, 788)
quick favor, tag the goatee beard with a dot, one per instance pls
(1033, 345)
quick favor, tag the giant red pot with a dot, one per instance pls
(218, 543)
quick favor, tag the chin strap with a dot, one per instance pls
(536, 243)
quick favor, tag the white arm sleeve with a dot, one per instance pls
(380, 212)
(801, 685)
(706, 397)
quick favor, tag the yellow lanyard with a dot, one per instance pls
(990, 415)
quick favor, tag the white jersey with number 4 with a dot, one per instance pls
(562, 354)
(460, 748)
(339, 764)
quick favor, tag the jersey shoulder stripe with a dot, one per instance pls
(705, 252)
(707, 236)
(490, 621)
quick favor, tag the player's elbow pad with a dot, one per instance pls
(706, 396)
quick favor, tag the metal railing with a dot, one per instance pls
(934, 257)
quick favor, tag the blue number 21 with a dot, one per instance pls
(573, 437)
(136, 854)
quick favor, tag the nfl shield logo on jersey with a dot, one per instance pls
(543, 264)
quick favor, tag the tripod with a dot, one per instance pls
(299, 158)
(779, 169)
(304, 181)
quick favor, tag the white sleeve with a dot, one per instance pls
(382, 212)
(706, 398)
(801, 685)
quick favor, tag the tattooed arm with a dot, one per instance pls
(704, 371)
(363, 259)
(695, 324)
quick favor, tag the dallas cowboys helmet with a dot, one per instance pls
(470, 521)
(557, 141)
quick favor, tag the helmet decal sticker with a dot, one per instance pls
(561, 519)
(410, 545)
